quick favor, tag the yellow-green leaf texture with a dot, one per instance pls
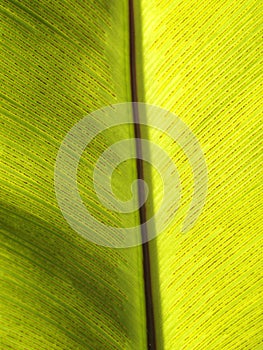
(201, 60)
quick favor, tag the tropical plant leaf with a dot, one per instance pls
(65, 59)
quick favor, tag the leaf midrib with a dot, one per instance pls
(148, 289)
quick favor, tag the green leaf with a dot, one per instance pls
(65, 59)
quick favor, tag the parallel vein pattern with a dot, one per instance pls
(58, 291)
(203, 61)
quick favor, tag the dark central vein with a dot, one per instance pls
(150, 324)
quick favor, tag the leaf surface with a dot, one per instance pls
(65, 59)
